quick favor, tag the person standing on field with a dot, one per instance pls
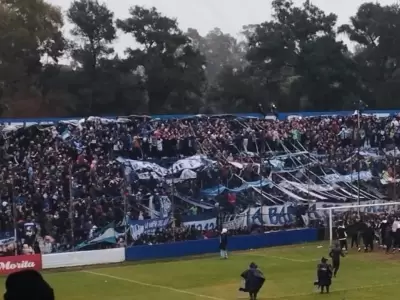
(324, 274)
(368, 238)
(382, 227)
(253, 281)
(342, 236)
(355, 235)
(388, 240)
(396, 233)
(223, 243)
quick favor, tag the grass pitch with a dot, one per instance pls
(290, 273)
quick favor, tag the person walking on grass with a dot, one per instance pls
(253, 281)
(324, 274)
(336, 253)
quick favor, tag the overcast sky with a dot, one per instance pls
(229, 15)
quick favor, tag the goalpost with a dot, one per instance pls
(390, 205)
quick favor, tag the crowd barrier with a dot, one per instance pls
(83, 258)
(11, 264)
(198, 247)
(39, 262)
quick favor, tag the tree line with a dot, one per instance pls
(297, 61)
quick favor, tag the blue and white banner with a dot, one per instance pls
(201, 222)
(139, 166)
(140, 227)
(146, 169)
(216, 190)
(6, 237)
(335, 178)
(280, 215)
(190, 163)
(276, 215)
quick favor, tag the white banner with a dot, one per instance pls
(7, 241)
(280, 215)
(138, 165)
(201, 225)
(276, 215)
(307, 186)
(165, 206)
(149, 175)
(235, 221)
(334, 178)
(190, 163)
(148, 226)
(145, 170)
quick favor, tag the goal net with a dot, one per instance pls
(347, 214)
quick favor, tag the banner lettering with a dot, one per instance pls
(202, 225)
(150, 226)
(280, 215)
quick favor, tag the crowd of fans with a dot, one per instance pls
(60, 181)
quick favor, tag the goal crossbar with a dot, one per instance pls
(330, 209)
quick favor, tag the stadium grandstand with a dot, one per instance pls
(99, 183)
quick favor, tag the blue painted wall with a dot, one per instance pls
(245, 242)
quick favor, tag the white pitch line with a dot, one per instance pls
(152, 285)
(291, 259)
(266, 255)
(215, 298)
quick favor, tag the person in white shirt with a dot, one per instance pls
(396, 234)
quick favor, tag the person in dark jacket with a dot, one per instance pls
(355, 232)
(382, 227)
(368, 238)
(324, 273)
(27, 284)
(254, 280)
(335, 253)
(388, 238)
(342, 236)
(223, 243)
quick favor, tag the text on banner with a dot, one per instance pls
(11, 264)
(203, 225)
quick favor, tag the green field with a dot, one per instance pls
(290, 272)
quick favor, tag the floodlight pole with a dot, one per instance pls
(71, 207)
(331, 225)
(358, 158)
(126, 190)
(394, 174)
(14, 213)
(173, 211)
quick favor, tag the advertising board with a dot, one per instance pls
(11, 264)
